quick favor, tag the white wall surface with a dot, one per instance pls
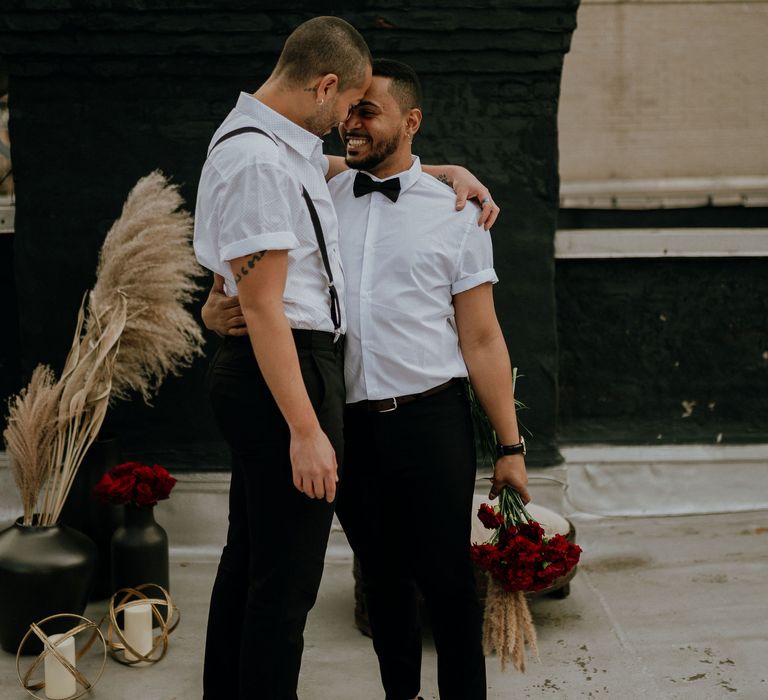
(665, 89)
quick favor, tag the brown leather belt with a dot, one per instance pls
(387, 405)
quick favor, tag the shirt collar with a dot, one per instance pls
(408, 178)
(302, 141)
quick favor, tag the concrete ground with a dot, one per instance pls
(665, 605)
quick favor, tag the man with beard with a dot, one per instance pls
(265, 222)
(420, 317)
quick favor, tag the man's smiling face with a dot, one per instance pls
(375, 129)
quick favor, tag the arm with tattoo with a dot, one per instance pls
(466, 186)
(249, 264)
(261, 287)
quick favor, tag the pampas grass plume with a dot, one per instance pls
(30, 434)
(508, 626)
(135, 332)
(147, 256)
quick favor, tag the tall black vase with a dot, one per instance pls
(43, 571)
(84, 512)
(139, 550)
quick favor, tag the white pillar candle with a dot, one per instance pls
(138, 629)
(59, 682)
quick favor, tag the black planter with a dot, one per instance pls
(84, 512)
(139, 551)
(43, 571)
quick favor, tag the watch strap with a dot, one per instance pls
(516, 449)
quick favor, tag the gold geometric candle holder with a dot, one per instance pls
(120, 648)
(51, 647)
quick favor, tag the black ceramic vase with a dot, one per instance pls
(43, 571)
(85, 513)
(139, 550)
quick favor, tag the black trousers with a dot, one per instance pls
(270, 568)
(405, 503)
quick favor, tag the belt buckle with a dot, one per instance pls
(394, 406)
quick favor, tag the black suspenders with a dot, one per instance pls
(335, 305)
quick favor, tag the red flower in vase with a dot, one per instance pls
(134, 483)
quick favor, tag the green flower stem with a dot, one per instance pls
(486, 435)
(512, 508)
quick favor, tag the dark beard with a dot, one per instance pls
(377, 156)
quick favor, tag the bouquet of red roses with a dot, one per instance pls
(518, 557)
(136, 484)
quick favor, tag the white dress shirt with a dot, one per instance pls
(250, 199)
(403, 262)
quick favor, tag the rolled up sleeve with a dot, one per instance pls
(475, 263)
(256, 212)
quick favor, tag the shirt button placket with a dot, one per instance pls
(367, 280)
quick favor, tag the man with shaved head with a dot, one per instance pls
(265, 223)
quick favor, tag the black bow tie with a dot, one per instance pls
(365, 185)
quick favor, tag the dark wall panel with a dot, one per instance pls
(106, 92)
(663, 350)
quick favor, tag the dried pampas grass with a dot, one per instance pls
(136, 331)
(30, 434)
(147, 257)
(86, 382)
(508, 626)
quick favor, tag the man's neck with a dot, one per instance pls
(282, 101)
(395, 164)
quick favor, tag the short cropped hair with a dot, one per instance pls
(324, 45)
(405, 87)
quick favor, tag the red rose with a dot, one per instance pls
(553, 570)
(559, 547)
(115, 490)
(164, 482)
(485, 556)
(103, 488)
(122, 488)
(144, 473)
(136, 483)
(532, 530)
(521, 549)
(124, 469)
(144, 496)
(506, 535)
(489, 517)
(558, 543)
(518, 578)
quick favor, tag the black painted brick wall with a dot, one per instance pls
(103, 91)
(663, 351)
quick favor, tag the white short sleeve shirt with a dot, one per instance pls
(403, 262)
(250, 199)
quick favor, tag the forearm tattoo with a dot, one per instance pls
(249, 265)
(444, 178)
